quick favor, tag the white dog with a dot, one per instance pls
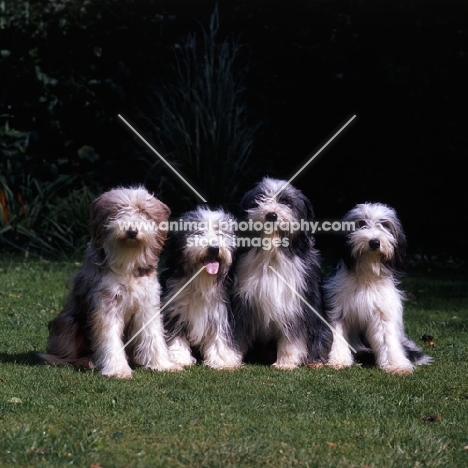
(115, 297)
(362, 297)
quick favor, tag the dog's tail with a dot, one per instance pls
(414, 353)
(68, 342)
(83, 362)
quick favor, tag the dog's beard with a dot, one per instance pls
(126, 243)
(125, 254)
(370, 262)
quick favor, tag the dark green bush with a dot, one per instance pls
(199, 116)
(68, 69)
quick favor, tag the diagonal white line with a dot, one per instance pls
(160, 157)
(316, 154)
(163, 307)
(312, 309)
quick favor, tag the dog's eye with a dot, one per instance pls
(285, 201)
(360, 224)
(386, 225)
(250, 205)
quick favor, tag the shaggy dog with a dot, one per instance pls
(276, 295)
(196, 301)
(115, 296)
(362, 297)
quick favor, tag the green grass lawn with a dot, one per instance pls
(255, 416)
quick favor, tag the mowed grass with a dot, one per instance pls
(255, 416)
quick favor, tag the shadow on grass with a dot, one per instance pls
(262, 354)
(25, 359)
(32, 359)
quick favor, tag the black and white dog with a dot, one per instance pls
(277, 276)
(362, 297)
(195, 295)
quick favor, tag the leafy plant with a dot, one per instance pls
(41, 216)
(39, 219)
(199, 118)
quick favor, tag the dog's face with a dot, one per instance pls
(207, 239)
(378, 234)
(276, 205)
(128, 218)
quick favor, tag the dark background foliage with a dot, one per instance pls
(302, 68)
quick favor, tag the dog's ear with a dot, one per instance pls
(156, 210)
(400, 247)
(343, 239)
(248, 201)
(345, 251)
(159, 212)
(165, 210)
(399, 250)
(308, 207)
(100, 211)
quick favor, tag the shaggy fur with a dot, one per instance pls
(362, 297)
(265, 308)
(116, 293)
(199, 316)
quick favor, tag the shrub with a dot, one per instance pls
(199, 118)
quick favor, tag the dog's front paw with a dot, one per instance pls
(227, 361)
(399, 370)
(223, 365)
(335, 364)
(181, 356)
(315, 364)
(338, 359)
(166, 366)
(173, 367)
(183, 361)
(284, 365)
(118, 373)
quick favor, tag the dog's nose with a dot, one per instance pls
(132, 233)
(271, 216)
(213, 250)
(374, 244)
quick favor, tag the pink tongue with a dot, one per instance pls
(211, 267)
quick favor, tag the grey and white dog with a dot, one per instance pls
(362, 295)
(276, 295)
(115, 296)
